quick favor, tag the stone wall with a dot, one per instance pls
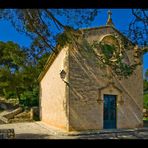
(85, 79)
(5, 105)
(131, 110)
(7, 134)
(87, 76)
(11, 114)
(53, 93)
(34, 112)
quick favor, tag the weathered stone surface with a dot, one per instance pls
(86, 78)
(7, 106)
(3, 120)
(7, 133)
(13, 113)
(34, 112)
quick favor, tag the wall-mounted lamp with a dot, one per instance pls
(62, 74)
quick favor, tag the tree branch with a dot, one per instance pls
(38, 33)
(54, 19)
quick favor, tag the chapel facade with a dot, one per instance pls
(78, 94)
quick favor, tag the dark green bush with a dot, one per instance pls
(145, 101)
(30, 98)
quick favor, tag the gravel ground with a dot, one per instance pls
(40, 130)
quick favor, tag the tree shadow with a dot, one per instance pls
(32, 136)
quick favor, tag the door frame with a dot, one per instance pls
(109, 89)
(115, 110)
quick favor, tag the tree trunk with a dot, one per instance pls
(18, 95)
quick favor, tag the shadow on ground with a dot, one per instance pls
(32, 136)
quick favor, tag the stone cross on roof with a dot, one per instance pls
(109, 20)
(109, 14)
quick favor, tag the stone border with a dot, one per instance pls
(101, 132)
(7, 134)
(13, 113)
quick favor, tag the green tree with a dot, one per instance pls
(146, 81)
(12, 58)
(18, 73)
(145, 85)
(145, 101)
(146, 74)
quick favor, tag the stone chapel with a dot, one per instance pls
(76, 93)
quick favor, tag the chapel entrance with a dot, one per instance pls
(109, 116)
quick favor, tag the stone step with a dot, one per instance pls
(3, 120)
(105, 132)
(13, 113)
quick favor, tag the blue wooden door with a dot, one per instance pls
(109, 111)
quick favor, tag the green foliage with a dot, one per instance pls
(110, 55)
(145, 85)
(108, 50)
(146, 74)
(30, 98)
(11, 55)
(146, 101)
(122, 69)
(64, 38)
(145, 119)
(145, 81)
(18, 76)
(9, 94)
(12, 58)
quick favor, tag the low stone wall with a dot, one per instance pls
(5, 105)
(145, 113)
(13, 113)
(7, 134)
(34, 112)
(22, 117)
(3, 120)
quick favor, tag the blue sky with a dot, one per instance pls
(120, 17)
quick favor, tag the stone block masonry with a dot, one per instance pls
(7, 134)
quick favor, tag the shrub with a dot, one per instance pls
(146, 101)
(30, 98)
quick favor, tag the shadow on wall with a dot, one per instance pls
(86, 76)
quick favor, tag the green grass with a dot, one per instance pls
(145, 101)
